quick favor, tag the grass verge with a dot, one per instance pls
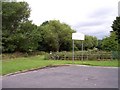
(28, 63)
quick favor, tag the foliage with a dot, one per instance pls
(6, 56)
(115, 55)
(99, 46)
(87, 55)
(56, 36)
(116, 27)
(90, 42)
(13, 14)
(110, 43)
(25, 39)
(19, 34)
(28, 38)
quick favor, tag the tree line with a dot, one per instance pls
(20, 34)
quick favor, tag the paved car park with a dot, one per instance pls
(73, 76)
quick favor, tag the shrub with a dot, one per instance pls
(87, 55)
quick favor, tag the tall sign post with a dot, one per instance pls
(77, 36)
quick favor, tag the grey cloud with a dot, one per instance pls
(102, 12)
(89, 23)
(98, 31)
(97, 23)
(101, 35)
(98, 18)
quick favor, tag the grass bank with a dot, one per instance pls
(27, 63)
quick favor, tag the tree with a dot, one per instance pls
(49, 40)
(116, 27)
(110, 43)
(99, 46)
(90, 42)
(27, 37)
(56, 36)
(13, 14)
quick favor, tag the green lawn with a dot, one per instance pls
(20, 64)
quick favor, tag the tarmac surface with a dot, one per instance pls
(73, 76)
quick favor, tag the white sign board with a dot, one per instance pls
(78, 36)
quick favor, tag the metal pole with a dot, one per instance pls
(82, 50)
(73, 53)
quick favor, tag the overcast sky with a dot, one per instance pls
(91, 17)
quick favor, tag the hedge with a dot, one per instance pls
(87, 55)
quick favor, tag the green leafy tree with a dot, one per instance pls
(110, 43)
(116, 28)
(49, 39)
(90, 42)
(56, 36)
(99, 46)
(27, 37)
(13, 15)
